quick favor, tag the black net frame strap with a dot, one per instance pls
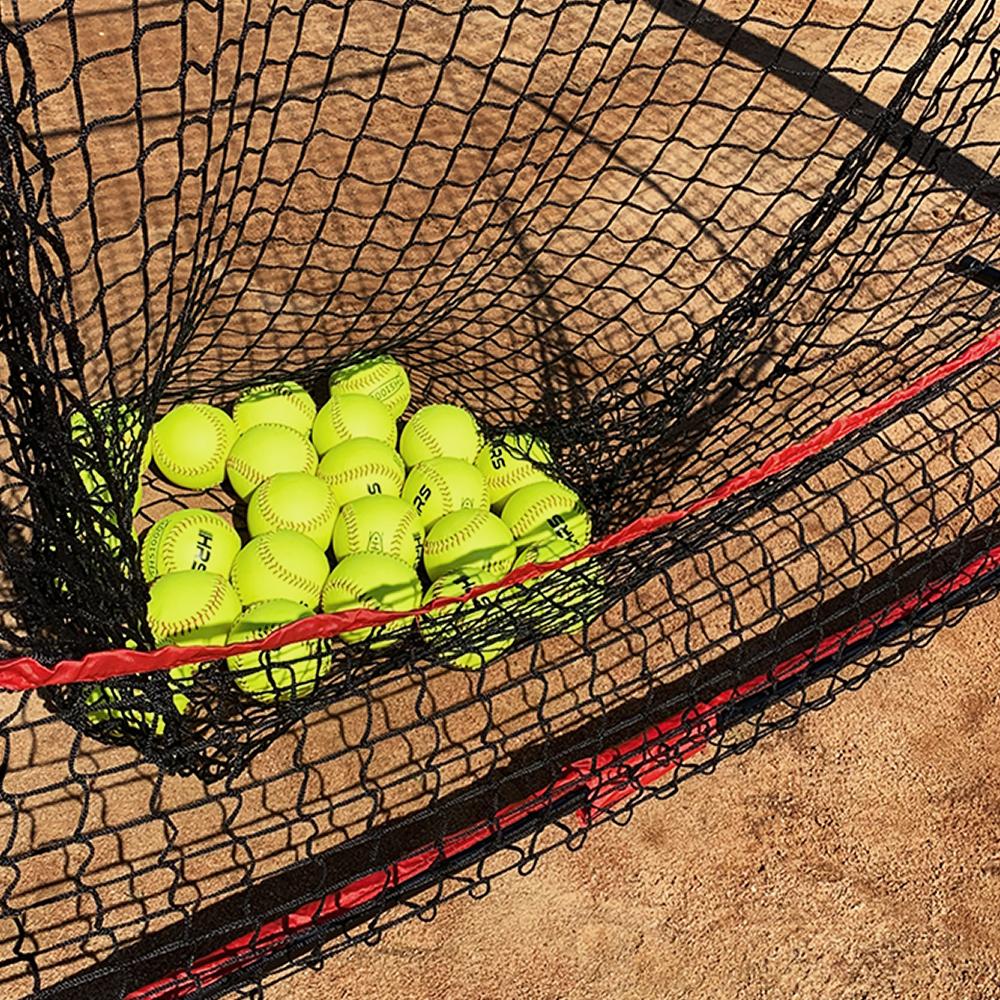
(25, 673)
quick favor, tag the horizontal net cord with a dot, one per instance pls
(25, 673)
(606, 779)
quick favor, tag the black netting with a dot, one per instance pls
(678, 241)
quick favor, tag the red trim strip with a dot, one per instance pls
(611, 777)
(26, 674)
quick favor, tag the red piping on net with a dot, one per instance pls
(25, 674)
(609, 778)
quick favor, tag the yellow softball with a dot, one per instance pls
(382, 377)
(292, 671)
(510, 462)
(264, 451)
(350, 415)
(104, 511)
(440, 430)
(118, 423)
(542, 511)
(190, 608)
(191, 444)
(379, 524)
(285, 403)
(281, 564)
(469, 634)
(119, 710)
(562, 600)
(442, 485)
(293, 501)
(469, 541)
(376, 581)
(362, 467)
(189, 539)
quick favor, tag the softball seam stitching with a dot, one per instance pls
(352, 591)
(372, 468)
(398, 537)
(150, 549)
(445, 487)
(430, 442)
(299, 398)
(540, 507)
(169, 540)
(513, 476)
(262, 498)
(192, 622)
(436, 548)
(217, 455)
(270, 561)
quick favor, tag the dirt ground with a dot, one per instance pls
(855, 857)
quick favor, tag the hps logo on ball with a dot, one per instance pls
(421, 497)
(202, 551)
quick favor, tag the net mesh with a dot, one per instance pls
(733, 264)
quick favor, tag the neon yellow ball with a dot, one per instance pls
(379, 524)
(293, 501)
(383, 378)
(264, 451)
(511, 462)
(293, 671)
(437, 431)
(189, 539)
(469, 541)
(440, 486)
(471, 634)
(350, 415)
(544, 511)
(378, 582)
(191, 444)
(362, 467)
(280, 564)
(285, 403)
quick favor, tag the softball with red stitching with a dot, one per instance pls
(190, 608)
(275, 403)
(293, 501)
(362, 467)
(280, 564)
(541, 512)
(470, 541)
(381, 377)
(511, 462)
(292, 670)
(376, 581)
(191, 444)
(352, 415)
(440, 431)
(441, 485)
(379, 524)
(264, 451)
(189, 539)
